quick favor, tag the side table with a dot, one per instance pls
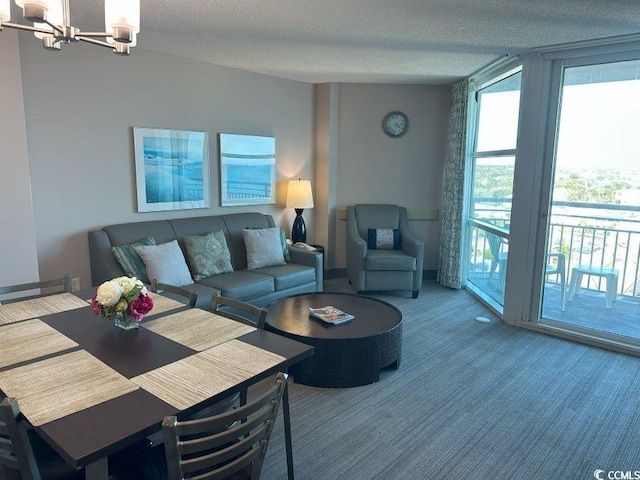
(610, 275)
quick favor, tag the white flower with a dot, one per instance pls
(109, 293)
(127, 284)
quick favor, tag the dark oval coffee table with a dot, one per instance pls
(346, 355)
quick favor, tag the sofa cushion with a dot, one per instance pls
(208, 254)
(290, 275)
(165, 263)
(263, 247)
(130, 261)
(241, 284)
(389, 260)
(384, 239)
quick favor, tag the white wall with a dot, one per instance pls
(375, 168)
(18, 252)
(80, 106)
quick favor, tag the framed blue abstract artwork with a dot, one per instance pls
(172, 169)
(247, 170)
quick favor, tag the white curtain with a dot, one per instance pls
(449, 273)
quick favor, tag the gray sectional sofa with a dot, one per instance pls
(302, 273)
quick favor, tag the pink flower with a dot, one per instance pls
(139, 307)
(95, 306)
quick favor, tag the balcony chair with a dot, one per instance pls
(59, 285)
(177, 293)
(24, 455)
(499, 260)
(235, 452)
(394, 262)
(559, 270)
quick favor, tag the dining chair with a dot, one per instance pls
(58, 285)
(23, 455)
(190, 296)
(231, 452)
(239, 311)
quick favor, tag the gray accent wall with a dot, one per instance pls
(18, 251)
(81, 104)
(75, 110)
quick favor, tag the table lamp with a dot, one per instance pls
(299, 197)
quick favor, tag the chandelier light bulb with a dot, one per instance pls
(122, 14)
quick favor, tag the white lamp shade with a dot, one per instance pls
(299, 194)
(5, 10)
(122, 14)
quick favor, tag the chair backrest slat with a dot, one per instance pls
(190, 445)
(249, 314)
(58, 285)
(190, 296)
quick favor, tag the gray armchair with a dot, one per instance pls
(370, 269)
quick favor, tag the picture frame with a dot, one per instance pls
(247, 170)
(172, 169)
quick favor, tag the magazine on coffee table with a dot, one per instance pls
(330, 315)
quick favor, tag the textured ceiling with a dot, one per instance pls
(365, 41)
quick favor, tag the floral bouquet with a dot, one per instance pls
(124, 299)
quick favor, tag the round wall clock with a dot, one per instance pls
(395, 124)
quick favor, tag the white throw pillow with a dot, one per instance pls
(263, 247)
(165, 263)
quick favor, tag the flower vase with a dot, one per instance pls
(125, 322)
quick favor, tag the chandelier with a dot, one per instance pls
(51, 23)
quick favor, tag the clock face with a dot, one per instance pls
(395, 124)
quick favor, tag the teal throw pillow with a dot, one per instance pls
(130, 261)
(208, 255)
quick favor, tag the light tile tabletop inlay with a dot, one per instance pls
(193, 379)
(198, 329)
(56, 387)
(38, 307)
(29, 340)
(163, 304)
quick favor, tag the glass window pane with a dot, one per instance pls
(594, 226)
(498, 107)
(487, 263)
(493, 190)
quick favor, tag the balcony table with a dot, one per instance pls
(610, 275)
(91, 389)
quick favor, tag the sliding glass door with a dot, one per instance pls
(592, 279)
(490, 186)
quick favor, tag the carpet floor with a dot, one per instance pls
(470, 401)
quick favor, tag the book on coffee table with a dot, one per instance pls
(330, 315)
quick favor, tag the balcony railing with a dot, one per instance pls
(597, 235)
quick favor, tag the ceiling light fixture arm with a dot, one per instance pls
(120, 35)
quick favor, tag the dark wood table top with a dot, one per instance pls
(372, 316)
(96, 432)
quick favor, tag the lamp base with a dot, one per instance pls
(299, 229)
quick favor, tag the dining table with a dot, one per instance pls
(90, 389)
